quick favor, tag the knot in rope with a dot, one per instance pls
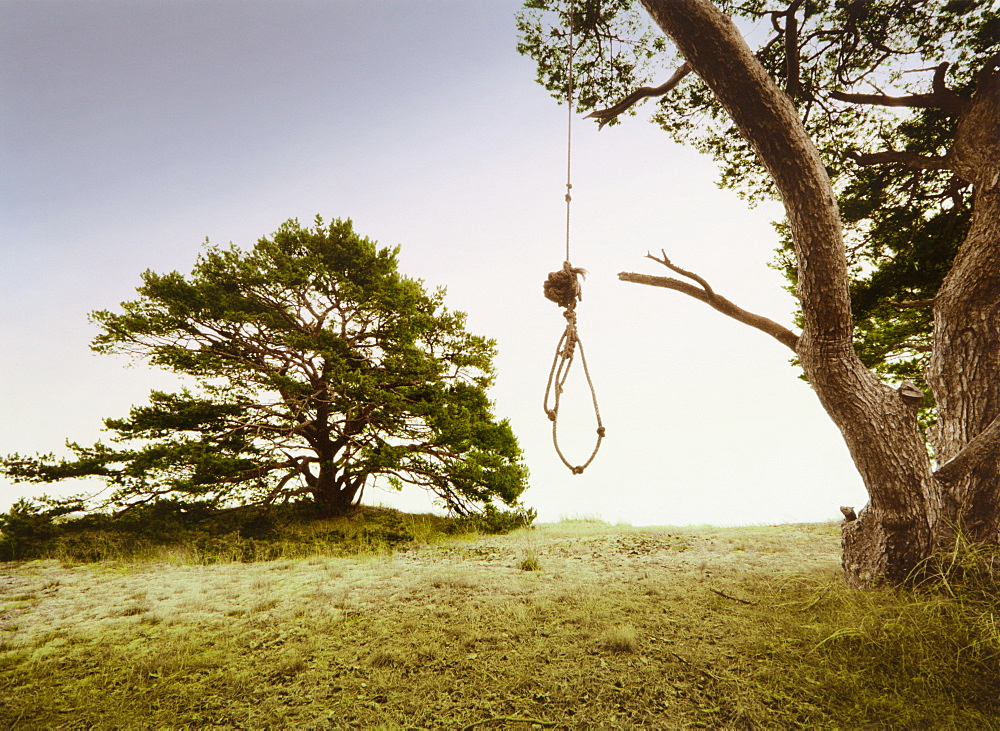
(564, 289)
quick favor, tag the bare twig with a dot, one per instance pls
(706, 294)
(732, 598)
(611, 113)
(683, 272)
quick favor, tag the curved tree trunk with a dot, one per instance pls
(910, 512)
(965, 364)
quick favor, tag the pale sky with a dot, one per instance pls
(131, 130)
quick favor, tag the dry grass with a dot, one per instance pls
(616, 627)
(530, 561)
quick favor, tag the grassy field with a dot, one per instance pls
(573, 625)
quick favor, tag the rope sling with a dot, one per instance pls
(563, 288)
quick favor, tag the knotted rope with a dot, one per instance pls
(563, 288)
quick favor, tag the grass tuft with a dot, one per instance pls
(530, 562)
(383, 659)
(620, 638)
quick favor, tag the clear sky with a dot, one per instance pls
(131, 130)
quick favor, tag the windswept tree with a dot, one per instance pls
(877, 124)
(315, 367)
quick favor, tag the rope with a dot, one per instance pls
(563, 288)
(569, 133)
(566, 350)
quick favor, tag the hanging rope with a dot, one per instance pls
(569, 134)
(563, 288)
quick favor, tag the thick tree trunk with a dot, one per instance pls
(910, 514)
(333, 496)
(964, 371)
(893, 533)
(332, 489)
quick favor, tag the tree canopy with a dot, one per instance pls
(905, 212)
(875, 124)
(314, 368)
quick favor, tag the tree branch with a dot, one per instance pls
(611, 113)
(707, 295)
(768, 120)
(981, 447)
(912, 160)
(940, 98)
(989, 66)
(912, 304)
(683, 272)
(792, 84)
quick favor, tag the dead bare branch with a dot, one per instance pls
(683, 272)
(732, 598)
(706, 294)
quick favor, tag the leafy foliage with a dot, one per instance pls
(903, 222)
(28, 526)
(610, 43)
(318, 369)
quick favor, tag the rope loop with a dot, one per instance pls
(564, 289)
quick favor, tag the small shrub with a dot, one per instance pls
(494, 522)
(200, 533)
(262, 525)
(27, 527)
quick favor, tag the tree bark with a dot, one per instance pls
(964, 366)
(333, 497)
(893, 533)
